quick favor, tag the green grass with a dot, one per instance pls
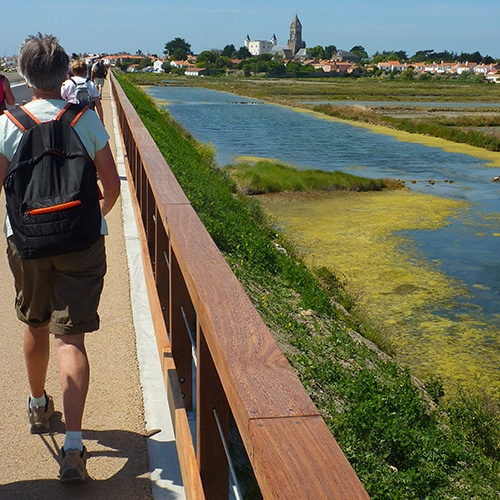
(273, 177)
(401, 444)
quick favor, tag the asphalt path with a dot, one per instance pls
(21, 91)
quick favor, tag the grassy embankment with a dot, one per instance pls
(400, 444)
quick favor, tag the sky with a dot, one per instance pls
(110, 26)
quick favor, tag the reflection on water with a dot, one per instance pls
(466, 249)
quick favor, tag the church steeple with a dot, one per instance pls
(295, 42)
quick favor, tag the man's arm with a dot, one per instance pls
(108, 175)
(9, 96)
(98, 108)
(4, 165)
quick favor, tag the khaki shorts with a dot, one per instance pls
(99, 82)
(62, 292)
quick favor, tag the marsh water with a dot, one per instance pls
(460, 339)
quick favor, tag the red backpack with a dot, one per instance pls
(3, 104)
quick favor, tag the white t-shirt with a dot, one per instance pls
(89, 128)
(68, 88)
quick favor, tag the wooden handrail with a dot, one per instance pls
(240, 370)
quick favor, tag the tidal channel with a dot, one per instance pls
(443, 316)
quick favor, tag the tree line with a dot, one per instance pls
(217, 61)
(179, 49)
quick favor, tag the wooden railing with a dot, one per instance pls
(199, 306)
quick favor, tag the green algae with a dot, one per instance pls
(358, 236)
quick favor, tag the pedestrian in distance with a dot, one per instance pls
(90, 63)
(57, 295)
(6, 95)
(99, 73)
(80, 90)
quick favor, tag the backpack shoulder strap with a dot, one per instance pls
(71, 113)
(22, 118)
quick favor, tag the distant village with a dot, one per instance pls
(340, 63)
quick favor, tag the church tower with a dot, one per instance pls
(295, 43)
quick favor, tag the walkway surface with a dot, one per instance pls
(126, 400)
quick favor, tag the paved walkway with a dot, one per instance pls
(126, 397)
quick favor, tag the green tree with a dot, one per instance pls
(243, 53)
(262, 64)
(299, 69)
(401, 55)
(317, 53)
(228, 51)
(389, 56)
(408, 74)
(473, 57)
(329, 51)
(177, 49)
(428, 55)
(223, 62)
(145, 62)
(422, 56)
(359, 51)
(206, 59)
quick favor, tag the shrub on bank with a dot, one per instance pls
(273, 177)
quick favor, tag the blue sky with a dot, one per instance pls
(123, 25)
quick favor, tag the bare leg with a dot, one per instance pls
(74, 375)
(36, 354)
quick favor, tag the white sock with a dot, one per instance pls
(73, 440)
(40, 402)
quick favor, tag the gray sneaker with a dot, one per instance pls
(39, 417)
(74, 465)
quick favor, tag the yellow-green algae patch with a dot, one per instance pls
(159, 102)
(355, 235)
(256, 159)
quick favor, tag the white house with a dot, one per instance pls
(391, 66)
(157, 66)
(196, 72)
(466, 67)
(493, 76)
(259, 47)
(484, 69)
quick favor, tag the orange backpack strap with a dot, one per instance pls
(22, 118)
(71, 113)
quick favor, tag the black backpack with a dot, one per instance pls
(82, 94)
(100, 70)
(51, 187)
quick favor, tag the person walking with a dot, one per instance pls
(6, 95)
(58, 295)
(70, 86)
(99, 74)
